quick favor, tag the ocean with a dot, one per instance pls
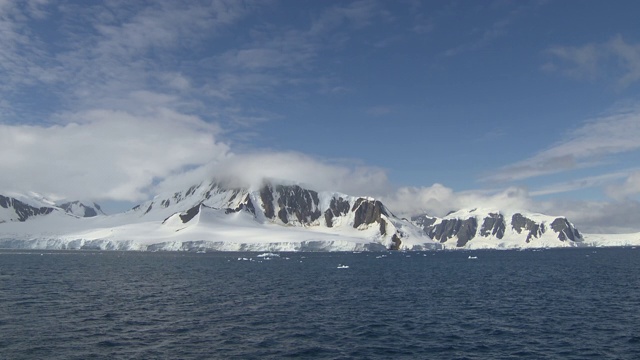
(549, 304)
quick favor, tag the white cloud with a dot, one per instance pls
(582, 61)
(615, 59)
(123, 116)
(629, 189)
(316, 173)
(104, 154)
(587, 146)
(596, 216)
(438, 200)
(579, 184)
(357, 14)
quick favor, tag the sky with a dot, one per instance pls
(431, 106)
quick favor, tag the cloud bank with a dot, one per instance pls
(104, 154)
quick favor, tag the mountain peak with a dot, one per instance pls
(79, 209)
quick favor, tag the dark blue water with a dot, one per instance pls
(553, 304)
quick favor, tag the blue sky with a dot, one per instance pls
(430, 105)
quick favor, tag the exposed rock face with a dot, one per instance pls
(464, 230)
(246, 204)
(338, 207)
(79, 209)
(23, 211)
(424, 221)
(565, 230)
(190, 214)
(395, 242)
(369, 211)
(534, 230)
(266, 195)
(464, 227)
(290, 205)
(296, 201)
(493, 225)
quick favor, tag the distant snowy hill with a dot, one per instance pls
(21, 208)
(598, 240)
(483, 228)
(79, 209)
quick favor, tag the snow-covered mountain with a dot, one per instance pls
(276, 216)
(79, 209)
(212, 215)
(21, 208)
(486, 228)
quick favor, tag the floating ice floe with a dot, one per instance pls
(343, 266)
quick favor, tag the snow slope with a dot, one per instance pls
(606, 240)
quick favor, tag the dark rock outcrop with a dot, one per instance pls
(565, 230)
(190, 214)
(465, 230)
(299, 202)
(369, 211)
(23, 211)
(338, 207)
(493, 224)
(85, 211)
(266, 195)
(395, 242)
(519, 222)
(423, 221)
(246, 204)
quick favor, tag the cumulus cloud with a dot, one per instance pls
(438, 200)
(587, 146)
(251, 169)
(120, 118)
(104, 154)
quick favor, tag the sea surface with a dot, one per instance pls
(551, 304)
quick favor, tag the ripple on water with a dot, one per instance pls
(532, 305)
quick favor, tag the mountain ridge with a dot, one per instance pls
(475, 228)
(274, 216)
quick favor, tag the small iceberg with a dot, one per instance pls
(343, 266)
(267, 255)
(472, 257)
